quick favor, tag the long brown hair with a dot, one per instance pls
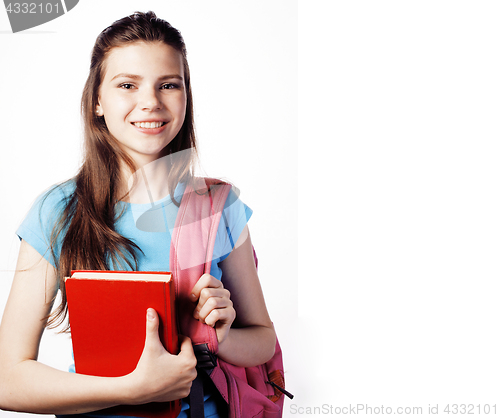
(87, 224)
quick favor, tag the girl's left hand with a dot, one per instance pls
(214, 305)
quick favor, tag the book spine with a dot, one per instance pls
(171, 334)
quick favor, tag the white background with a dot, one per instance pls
(398, 232)
(399, 132)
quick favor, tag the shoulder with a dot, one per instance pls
(56, 195)
(227, 191)
(202, 185)
(51, 203)
(52, 199)
(44, 215)
(235, 217)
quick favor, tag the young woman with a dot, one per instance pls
(137, 110)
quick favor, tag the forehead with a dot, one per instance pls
(144, 59)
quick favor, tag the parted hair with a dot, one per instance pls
(87, 225)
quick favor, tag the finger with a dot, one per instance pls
(211, 304)
(186, 352)
(221, 317)
(215, 298)
(212, 299)
(152, 324)
(152, 335)
(205, 281)
(208, 293)
(186, 346)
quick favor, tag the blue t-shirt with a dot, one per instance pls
(148, 225)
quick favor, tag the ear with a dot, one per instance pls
(98, 110)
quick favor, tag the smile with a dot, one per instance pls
(149, 125)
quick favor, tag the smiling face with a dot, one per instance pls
(142, 98)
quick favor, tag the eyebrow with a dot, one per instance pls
(138, 77)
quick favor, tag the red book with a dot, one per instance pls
(107, 315)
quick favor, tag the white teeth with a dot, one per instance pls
(148, 125)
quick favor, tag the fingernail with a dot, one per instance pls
(150, 315)
(193, 296)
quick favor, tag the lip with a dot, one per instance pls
(150, 120)
(150, 131)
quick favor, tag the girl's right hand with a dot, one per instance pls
(159, 375)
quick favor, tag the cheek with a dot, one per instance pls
(117, 106)
(180, 109)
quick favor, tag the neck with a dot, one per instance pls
(149, 183)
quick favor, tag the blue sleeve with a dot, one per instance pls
(234, 218)
(36, 228)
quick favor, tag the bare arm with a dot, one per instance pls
(30, 386)
(237, 308)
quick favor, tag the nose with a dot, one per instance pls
(150, 100)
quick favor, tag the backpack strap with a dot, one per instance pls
(191, 253)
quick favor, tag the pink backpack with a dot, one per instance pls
(249, 392)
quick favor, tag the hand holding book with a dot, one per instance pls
(159, 375)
